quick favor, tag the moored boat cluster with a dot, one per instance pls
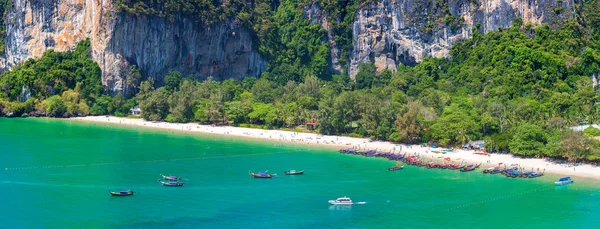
(417, 161)
(513, 171)
(373, 153)
(411, 160)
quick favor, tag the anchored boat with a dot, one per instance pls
(564, 181)
(171, 183)
(341, 201)
(261, 174)
(173, 178)
(469, 168)
(395, 167)
(121, 193)
(293, 172)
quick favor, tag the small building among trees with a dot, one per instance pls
(478, 145)
(135, 111)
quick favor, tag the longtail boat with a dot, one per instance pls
(171, 183)
(121, 193)
(469, 168)
(493, 170)
(173, 178)
(454, 166)
(293, 172)
(395, 167)
(261, 175)
(431, 165)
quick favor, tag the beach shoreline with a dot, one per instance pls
(339, 142)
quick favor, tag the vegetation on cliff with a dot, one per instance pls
(57, 84)
(4, 5)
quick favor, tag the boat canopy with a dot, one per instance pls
(564, 179)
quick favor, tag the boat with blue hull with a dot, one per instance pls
(261, 174)
(121, 193)
(171, 178)
(564, 181)
(171, 183)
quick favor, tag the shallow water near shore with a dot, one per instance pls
(56, 173)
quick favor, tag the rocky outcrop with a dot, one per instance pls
(33, 26)
(156, 45)
(224, 50)
(394, 32)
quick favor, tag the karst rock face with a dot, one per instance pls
(394, 32)
(386, 32)
(156, 45)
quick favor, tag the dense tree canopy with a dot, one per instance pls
(59, 82)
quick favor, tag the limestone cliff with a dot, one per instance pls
(156, 45)
(386, 32)
(394, 32)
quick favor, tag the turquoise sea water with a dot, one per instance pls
(56, 173)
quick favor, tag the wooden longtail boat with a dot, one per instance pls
(469, 168)
(121, 193)
(395, 167)
(173, 178)
(261, 174)
(171, 183)
(293, 172)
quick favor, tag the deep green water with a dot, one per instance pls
(55, 174)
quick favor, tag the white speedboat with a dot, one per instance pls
(564, 181)
(341, 201)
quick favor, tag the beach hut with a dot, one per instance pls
(479, 145)
(135, 111)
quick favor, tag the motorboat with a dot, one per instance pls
(564, 181)
(121, 193)
(341, 201)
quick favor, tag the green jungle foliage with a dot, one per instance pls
(58, 83)
(4, 5)
(519, 88)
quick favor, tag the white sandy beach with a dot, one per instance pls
(468, 156)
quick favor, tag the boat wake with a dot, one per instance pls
(361, 202)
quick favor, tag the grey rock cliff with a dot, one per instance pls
(394, 32)
(156, 45)
(224, 50)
